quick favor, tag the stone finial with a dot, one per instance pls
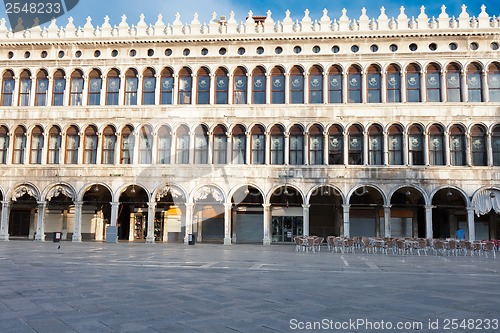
(383, 20)
(423, 19)
(232, 18)
(195, 24)
(177, 25)
(316, 26)
(392, 24)
(232, 24)
(306, 22)
(325, 21)
(296, 26)
(373, 24)
(464, 18)
(159, 25)
(443, 18)
(52, 30)
(402, 19)
(195, 20)
(70, 24)
(335, 25)
(3, 27)
(204, 29)
(344, 21)
(268, 23)
(433, 23)
(364, 20)
(141, 27)
(213, 25)
(483, 18)
(250, 23)
(106, 28)
(453, 23)
(19, 26)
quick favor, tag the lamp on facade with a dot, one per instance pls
(407, 193)
(449, 194)
(95, 188)
(132, 191)
(492, 194)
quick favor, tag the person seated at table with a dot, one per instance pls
(460, 234)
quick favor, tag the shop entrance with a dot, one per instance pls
(19, 223)
(285, 228)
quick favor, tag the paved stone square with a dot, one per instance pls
(131, 287)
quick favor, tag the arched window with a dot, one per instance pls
(95, 86)
(19, 145)
(113, 87)
(72, 144)
(131, 84)
(220, 145)
(203, 87)
(296, 145)
(375, 145)
(453, 83)
(59, 88)
(239, 145)
(4, 144)
(76, 88)
(182, 145)
(413, 83)
(395, 145)
(494, 82)
(185, 86)
(433, 78)
(148, 87)
(355, 145)
(54, 145)
(25, 88)
(354, 84)
(259, 86)
(167, 85)
(393, 84)
(296, 85)
(146, 145)
(277, 86)
(495, 142)
(474, 83)
(478, 145)
(127, 145)
(335, 85)
(316, 140)
(36, 145)
(373, 84)
(90, 153)
(108, 145)
(164, 145)
(240, 86)
(277, 145)
(335, 145)
(201, 145)
(436, 145)
(221, 86)
(8, 83)
(416, 145)
(258, 145)
(316, 85)
(42, 84)
(457, 145)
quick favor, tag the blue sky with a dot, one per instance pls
(97, 9)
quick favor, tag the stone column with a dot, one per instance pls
(287, 88)
(464, 90)
(306, 148)
(326, 148)
(230, 89)
(383, 86)
(135, 149)
(306, 89)
(305, 209)
(385, 149)
(468, 150)
(45, 147)
(229, 148)
(40, 230)
(189, 220)
(77, 233)
(387, 220)
(426, 148)
(267, 151)
(364, 87)
(158, 89)
(227, 223)
(489, 150)
(15, 93)
(114, 213)
(267, 224)
(484, 86)
(150, 238)
(443, 86)
(211, 93)
(471, 224)
(175, 90)
(446, 147)
(4, 223)
(192, 138)
(345, 93)
(102, 94)
(287, 148)
(268, 88)
(10, 150)
(248, 147)
(249, 88)
(346, 220)
(154, 145)
(428, 221)
(403, 87)
(140, 84)
(325, 91)
(423, 86)
(406, 151)
(121, 92)
(210, 148)
(366, 147)
(345, 147)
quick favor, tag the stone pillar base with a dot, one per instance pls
(150, 240)
(4, 237)
(227, 241)
(76, 238)
(266, 242)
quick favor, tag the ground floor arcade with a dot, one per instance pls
(246, 214)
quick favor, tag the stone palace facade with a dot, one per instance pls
(251, 131)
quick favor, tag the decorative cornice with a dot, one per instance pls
(222, 29)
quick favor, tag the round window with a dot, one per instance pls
(335, 49)
(354, 48)
(260, 50)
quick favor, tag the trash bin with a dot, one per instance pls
(191, 239)
(57, 236)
